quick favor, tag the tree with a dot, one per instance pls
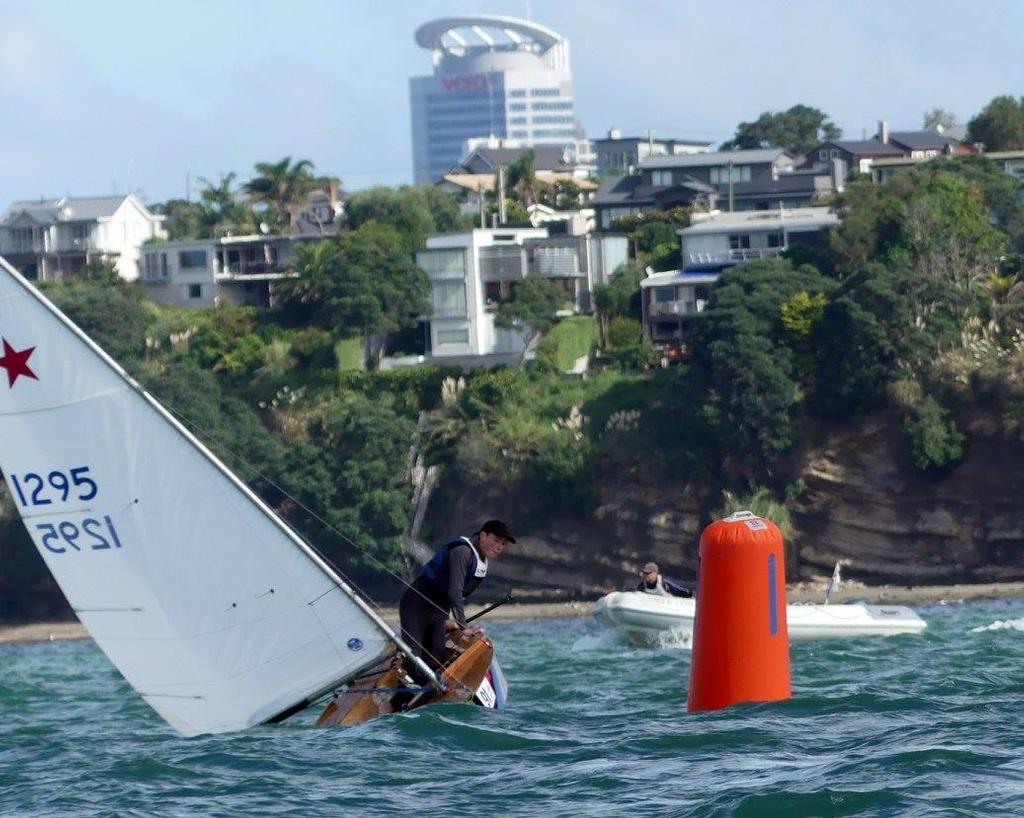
(620, 297)
(360, 284)
(354, 477)
(223, 213)
(796, 130)
(868, 337)
(999, 126)
(414, 212)
(111, 311)
(938, 118)
(183, 219)
(532, 311)
(654, 236)
(280, 186)
(521, 178)
(746, 351)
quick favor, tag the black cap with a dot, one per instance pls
(498, 529)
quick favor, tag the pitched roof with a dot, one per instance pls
(701, 160)
(544, 157)
(865, 147)
(67, 209)
(633, 190)
(921, 140)
(794, 219)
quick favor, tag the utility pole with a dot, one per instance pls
(502, 209)
(730, 186)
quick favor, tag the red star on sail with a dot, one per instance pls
(16, 363)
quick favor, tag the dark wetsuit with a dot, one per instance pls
(452, 574)
(663, 587)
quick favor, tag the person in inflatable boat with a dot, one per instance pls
(652, 582)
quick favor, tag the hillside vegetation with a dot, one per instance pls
(916, 305)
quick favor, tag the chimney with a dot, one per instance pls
(883, 132)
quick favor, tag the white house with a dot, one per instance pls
(718, 240)
(714, 242)
(53, 238)
(472, 272)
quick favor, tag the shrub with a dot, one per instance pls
(935, 442)
(569, 340)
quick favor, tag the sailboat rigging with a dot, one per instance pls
(213, 609)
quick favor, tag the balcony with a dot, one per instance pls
(744, 254)
(247, 268)
(677, 308)
(556, 262)
(502, 263)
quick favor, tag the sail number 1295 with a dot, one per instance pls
(57, 486)
(90, 534)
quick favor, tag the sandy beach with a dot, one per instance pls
(800, 592)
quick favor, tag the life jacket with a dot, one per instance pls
(437, 569)
(659, 588)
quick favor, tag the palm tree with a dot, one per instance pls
(281, 186)
(222, 211)
(522, 178)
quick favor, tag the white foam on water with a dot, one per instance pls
(677, 638)
(597, 641)
(1001, 625)
(610, 638)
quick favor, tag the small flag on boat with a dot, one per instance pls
(833, 583)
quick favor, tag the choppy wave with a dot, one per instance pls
(927, 725)
(1001, 625)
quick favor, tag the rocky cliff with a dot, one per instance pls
(861, 501)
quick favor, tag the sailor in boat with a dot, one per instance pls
(652, 582)
(434, 604)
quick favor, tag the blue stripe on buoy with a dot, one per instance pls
(773, 613)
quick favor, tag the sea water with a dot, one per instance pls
(914, 725)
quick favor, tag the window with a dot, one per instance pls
(551, 106)
(79, 234)
(775, 239)
(823, 154)
(22, 238)
(544, 92)
(443, 264)
(518, 120)
(663, 294)
(518, 106)
(548, 119)
(195, 290)
(519, 134)
(834, 153)
(192, 260)
(452, 336)
(556, 261)
(721, 176)
(517, 92)
(661, 178)
(739, 241)
(448, 299)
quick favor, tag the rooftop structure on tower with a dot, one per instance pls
(493, 77)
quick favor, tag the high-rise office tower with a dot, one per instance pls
(493, 76)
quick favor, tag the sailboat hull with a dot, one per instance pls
(377, 692)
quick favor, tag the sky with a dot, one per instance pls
(112, 96)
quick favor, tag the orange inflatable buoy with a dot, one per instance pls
(740, 639)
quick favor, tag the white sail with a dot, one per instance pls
(212, 609)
